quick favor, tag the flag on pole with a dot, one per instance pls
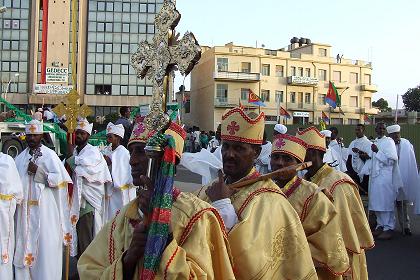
(367, 118)
(284, 113)
(324, 117)
(332, 98)
(255, 99)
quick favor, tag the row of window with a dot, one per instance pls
(112, 48)
(222, 66)
(99, 68)
(295, 97)
(103, 6)
(107, 89)
(16, 3)
(123, 27)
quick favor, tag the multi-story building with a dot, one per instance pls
(35, 53)
(295, 78)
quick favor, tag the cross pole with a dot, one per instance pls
(157, 59)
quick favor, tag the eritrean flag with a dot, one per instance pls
(332, 98)
(284, 113)
(324, 117)
(367, 118)
(255, 99)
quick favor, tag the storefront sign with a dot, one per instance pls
(301, 114)
(57, 75)
(297, 80)
(51, 89)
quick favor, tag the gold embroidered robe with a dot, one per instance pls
(352, 218)
(268, 242)
(199, 249)
(320, 222)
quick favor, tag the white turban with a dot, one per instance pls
(393, 128)
(115, 129)
(84, 125)
(34, 127)
(326, 133)
(280, 128)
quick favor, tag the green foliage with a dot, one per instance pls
(113, 117)
(382, 105)
(411, 99)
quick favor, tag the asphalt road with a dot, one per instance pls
(395, 259)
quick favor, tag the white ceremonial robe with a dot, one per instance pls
(122, 190)
(90, 177)
(417, 199)
(262, 164)
(408, 170)
(11, 194)
(364, 145)
(339, 154)
(43, 222)
(332, 159)
(203, 163)
(385, 178)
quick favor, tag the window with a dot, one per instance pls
(143, 8)
(222, 93)
(100, 27)
(279, 96)
(108, 48)
(293, 97)
(15, 24)
(108, 27)
(125, 48)
(265, 95)
(279, 70)
(322, 52)
(6, 45)
(150, 29)
(244, 93)
(367, 79)
(101, 6)
(265, 70)
(292, 71)
(354, 78)
(300, 71)
(308, 98)
(322, 75)
(99, 47)
(126, 27)
(337, 76)
(222, 64)
(126, 7)
(107, 68)
(368, 103)
(124, 69)
(246, 67)
(99, 69)
(124, 90)
(322, 99)
(151, 8)
(103, 90)
(353, 121)
(353, 101)
(307, 72)
(7, 24)
(109, 7)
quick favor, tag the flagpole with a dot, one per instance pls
(329, 116)
(396, 111)
(278, 110)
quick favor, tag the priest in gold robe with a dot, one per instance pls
(317, 213)
(265, 234)
(196, 248)
(352, 218)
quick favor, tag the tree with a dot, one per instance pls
(382, 105)
(411, 99)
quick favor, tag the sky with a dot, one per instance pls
(386, 32)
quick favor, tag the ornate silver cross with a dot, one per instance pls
(157, 59)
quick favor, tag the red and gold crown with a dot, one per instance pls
(179, 134)
(312, 138)
(238, 126)
(140, 133)
(291, 145)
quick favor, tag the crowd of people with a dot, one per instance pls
(300, 222)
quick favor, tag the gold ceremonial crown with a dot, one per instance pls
(179, 134)
(291, 145)
(238, 126)
(312, 138)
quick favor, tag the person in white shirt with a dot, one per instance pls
(11, 194)
(409, 174)
(91, 177)
(337, 146)
(358, 154)
(384, 182)
(42, 221)
(122, 190)
(262, 163)
(330, 157)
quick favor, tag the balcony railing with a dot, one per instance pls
(369, 87)
(237, 76)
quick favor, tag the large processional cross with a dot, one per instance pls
(156, 60)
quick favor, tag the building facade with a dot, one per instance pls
(295, 78)
(36, 53)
